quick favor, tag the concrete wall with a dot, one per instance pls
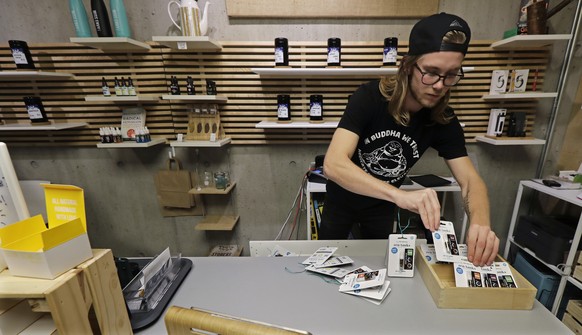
(122, 209)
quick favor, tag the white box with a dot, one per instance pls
(498, 82)
(518, 80)
(15, 316)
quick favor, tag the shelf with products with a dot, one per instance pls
(131, 144)
(52, 126)
(121, 44)
(213, 190)
(34, 75)
(195, 98)
(329, 71)
(510, 140)
(123, 98)
(201, 144)
(518, 96)
(197, 43)
(530, 41)
(296, 124)
(568, 196)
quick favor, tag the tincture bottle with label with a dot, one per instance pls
(316, 107)
(334, 51)
(124, 89)
(390, 51)
(101, 18)
(130, 87)
(35, 109)
(117, 87)
(21, 54)
(210, 87)
(281, 52)
(105, 87)
(283, 108)
(174, 86)
(190, 86)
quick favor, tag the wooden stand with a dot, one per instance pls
(91, 286)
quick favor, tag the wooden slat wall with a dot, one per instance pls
(251, 99)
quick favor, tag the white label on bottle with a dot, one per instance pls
(19, 56)
(283, 112)
(212, 137)
(106, 91)
(182, 45)
(34, 112)
(333, 55)
(279, 56)
(315, 109)
(390, 55)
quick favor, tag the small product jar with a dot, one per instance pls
(283, 108)
(316, 107)
(21, 54)
(390, 51)
(281, 52)
(334, 51)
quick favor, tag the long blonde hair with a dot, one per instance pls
(395, 88)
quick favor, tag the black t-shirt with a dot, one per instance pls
(387, 150)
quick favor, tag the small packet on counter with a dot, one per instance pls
(445, 244)
(504, 275)
(430, 253)
(469, 275)
(320, 255)
(400, 255)
(335, 261)
(359, 281)
(333, 272)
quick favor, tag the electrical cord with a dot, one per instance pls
(278, 237)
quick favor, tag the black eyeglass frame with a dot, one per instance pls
(439, 77)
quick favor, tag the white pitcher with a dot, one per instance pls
(191, 23)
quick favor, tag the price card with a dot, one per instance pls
(498, 82)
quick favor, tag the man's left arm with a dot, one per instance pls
(482, 243)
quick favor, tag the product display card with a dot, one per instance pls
(497, 275)
(320, 255)
(430, 254)
(363, 280)
(333, 272)
(445, 243)
(361, 269)
(375, 294)
(335, 261)
(279, 251)
(498, 82)
(401, 255)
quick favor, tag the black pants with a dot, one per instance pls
(338, 220)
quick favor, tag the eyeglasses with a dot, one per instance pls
(431, 78)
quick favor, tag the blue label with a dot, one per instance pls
(357, 285)
(459, 271)
(437, 236)
(394, 250)
(428, 258)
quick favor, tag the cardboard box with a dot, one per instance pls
(440, 282)
(33, 250)
(572, 323)
(15, 316)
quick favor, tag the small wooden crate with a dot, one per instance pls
(440, 281)
(204, 120)
(573, 316)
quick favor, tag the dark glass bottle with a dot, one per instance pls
(316, 107)
(190, 86)
(334, 51)
(283, 107)
(174, 86)
(21, 54)
(390, 51)
(281, 52)
(101, 18)
(35, 109)
(210, 87)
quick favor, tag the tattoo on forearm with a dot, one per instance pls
(467, 209)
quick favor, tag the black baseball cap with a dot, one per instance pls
(427, 34)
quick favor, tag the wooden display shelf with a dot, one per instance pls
(510, 140)
(124, 98)
(196, 98)
(330, 71)
(296, 124)
(131, 144)
(201, 144)
(198, 43)
(34, 75)
(93, 285)
(520, 96)
(213, 190)
(214, 222)
(121, 44)
(52, 126)
(530, 41)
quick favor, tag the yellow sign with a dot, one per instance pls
(64, 203)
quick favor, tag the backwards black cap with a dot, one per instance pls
(427, 34)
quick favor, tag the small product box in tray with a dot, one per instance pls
(440, 282)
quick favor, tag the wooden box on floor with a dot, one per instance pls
(73, 297)
(573, 316)
(440, 282)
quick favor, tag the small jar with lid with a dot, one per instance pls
(283, 108)
(316, 108)
(390, 51)
(334, 51)
(281, 52)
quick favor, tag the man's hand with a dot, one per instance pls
(423, 202)
(482, 245)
